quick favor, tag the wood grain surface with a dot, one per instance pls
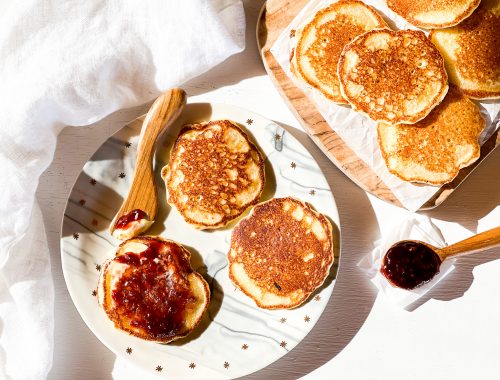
(275, 16)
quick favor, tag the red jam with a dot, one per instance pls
(410, 264)
(154, 292)
(132, 216)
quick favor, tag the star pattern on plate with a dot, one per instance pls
(312, 192)
(82, 202)
(307, 318)
(93, 181)
(128, 144)
(249, 121)
(98, 267)
(159, 368)
(277, 137)
(292, 33)
(128, 350)
(244, 347)
(76, 235)
(122, 175)
(226, 365)
(282, 320)
(293, 165)
(192, 366)
(283, 344)
(317, 298)
(94, 293)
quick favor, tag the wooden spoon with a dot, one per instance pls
(409, 263)
(139, 209)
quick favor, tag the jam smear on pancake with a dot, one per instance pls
(154, 291)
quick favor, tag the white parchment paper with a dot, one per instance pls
(420, 228)
(358, 131)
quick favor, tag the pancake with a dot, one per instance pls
(215, 173)
(281, 253)
(432, 14)
(472, 51)
(433, 150)
(150, 291)
(320, 42)
(393, 76)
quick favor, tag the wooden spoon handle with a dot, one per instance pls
(165, 108)
(476, 243)
(142, 194)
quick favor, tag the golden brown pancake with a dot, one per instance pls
(472, 51)
(434, 149)
(320, 42)
(214, 174)
(281, 253)
(150, 291)
(431, 14)
(393, 76)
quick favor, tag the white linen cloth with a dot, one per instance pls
(72, 63)
(418, 228)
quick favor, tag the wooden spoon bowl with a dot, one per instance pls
(409, 264)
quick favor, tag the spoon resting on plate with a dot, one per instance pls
(139, 209)
(409, 264)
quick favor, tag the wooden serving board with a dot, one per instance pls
(275, 16)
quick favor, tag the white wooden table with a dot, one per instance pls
(453, 334)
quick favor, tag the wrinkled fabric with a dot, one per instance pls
(72, 63)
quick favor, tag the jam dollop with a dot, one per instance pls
(154, 291)
(410, 264)
(132, 216)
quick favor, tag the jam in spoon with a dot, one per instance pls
(409, 264)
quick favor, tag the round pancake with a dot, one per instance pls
(393, 76)
(431, 14)
(281, 253)
(433, 150)
(320, 42)
(214, 174)
(150, 291)
(472, 51)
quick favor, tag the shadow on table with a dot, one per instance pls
(225, 73)
(353, 296)
(473, 200)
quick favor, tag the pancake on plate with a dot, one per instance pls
(150, 291)
(472, 51)
(214, 174)
(433, 150)
(431, 14)
(393, 76)
(281, 253)
(320, 42)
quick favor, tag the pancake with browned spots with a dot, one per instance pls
(214, 174)
(320, 42)
(433, 150)
(149, 290)
(393, 76)
(472, 51)
(281, 253)
(432, 14)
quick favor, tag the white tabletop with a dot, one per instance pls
(452, 334)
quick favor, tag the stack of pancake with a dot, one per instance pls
(428, 129)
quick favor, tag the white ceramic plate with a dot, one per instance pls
(236, 337)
